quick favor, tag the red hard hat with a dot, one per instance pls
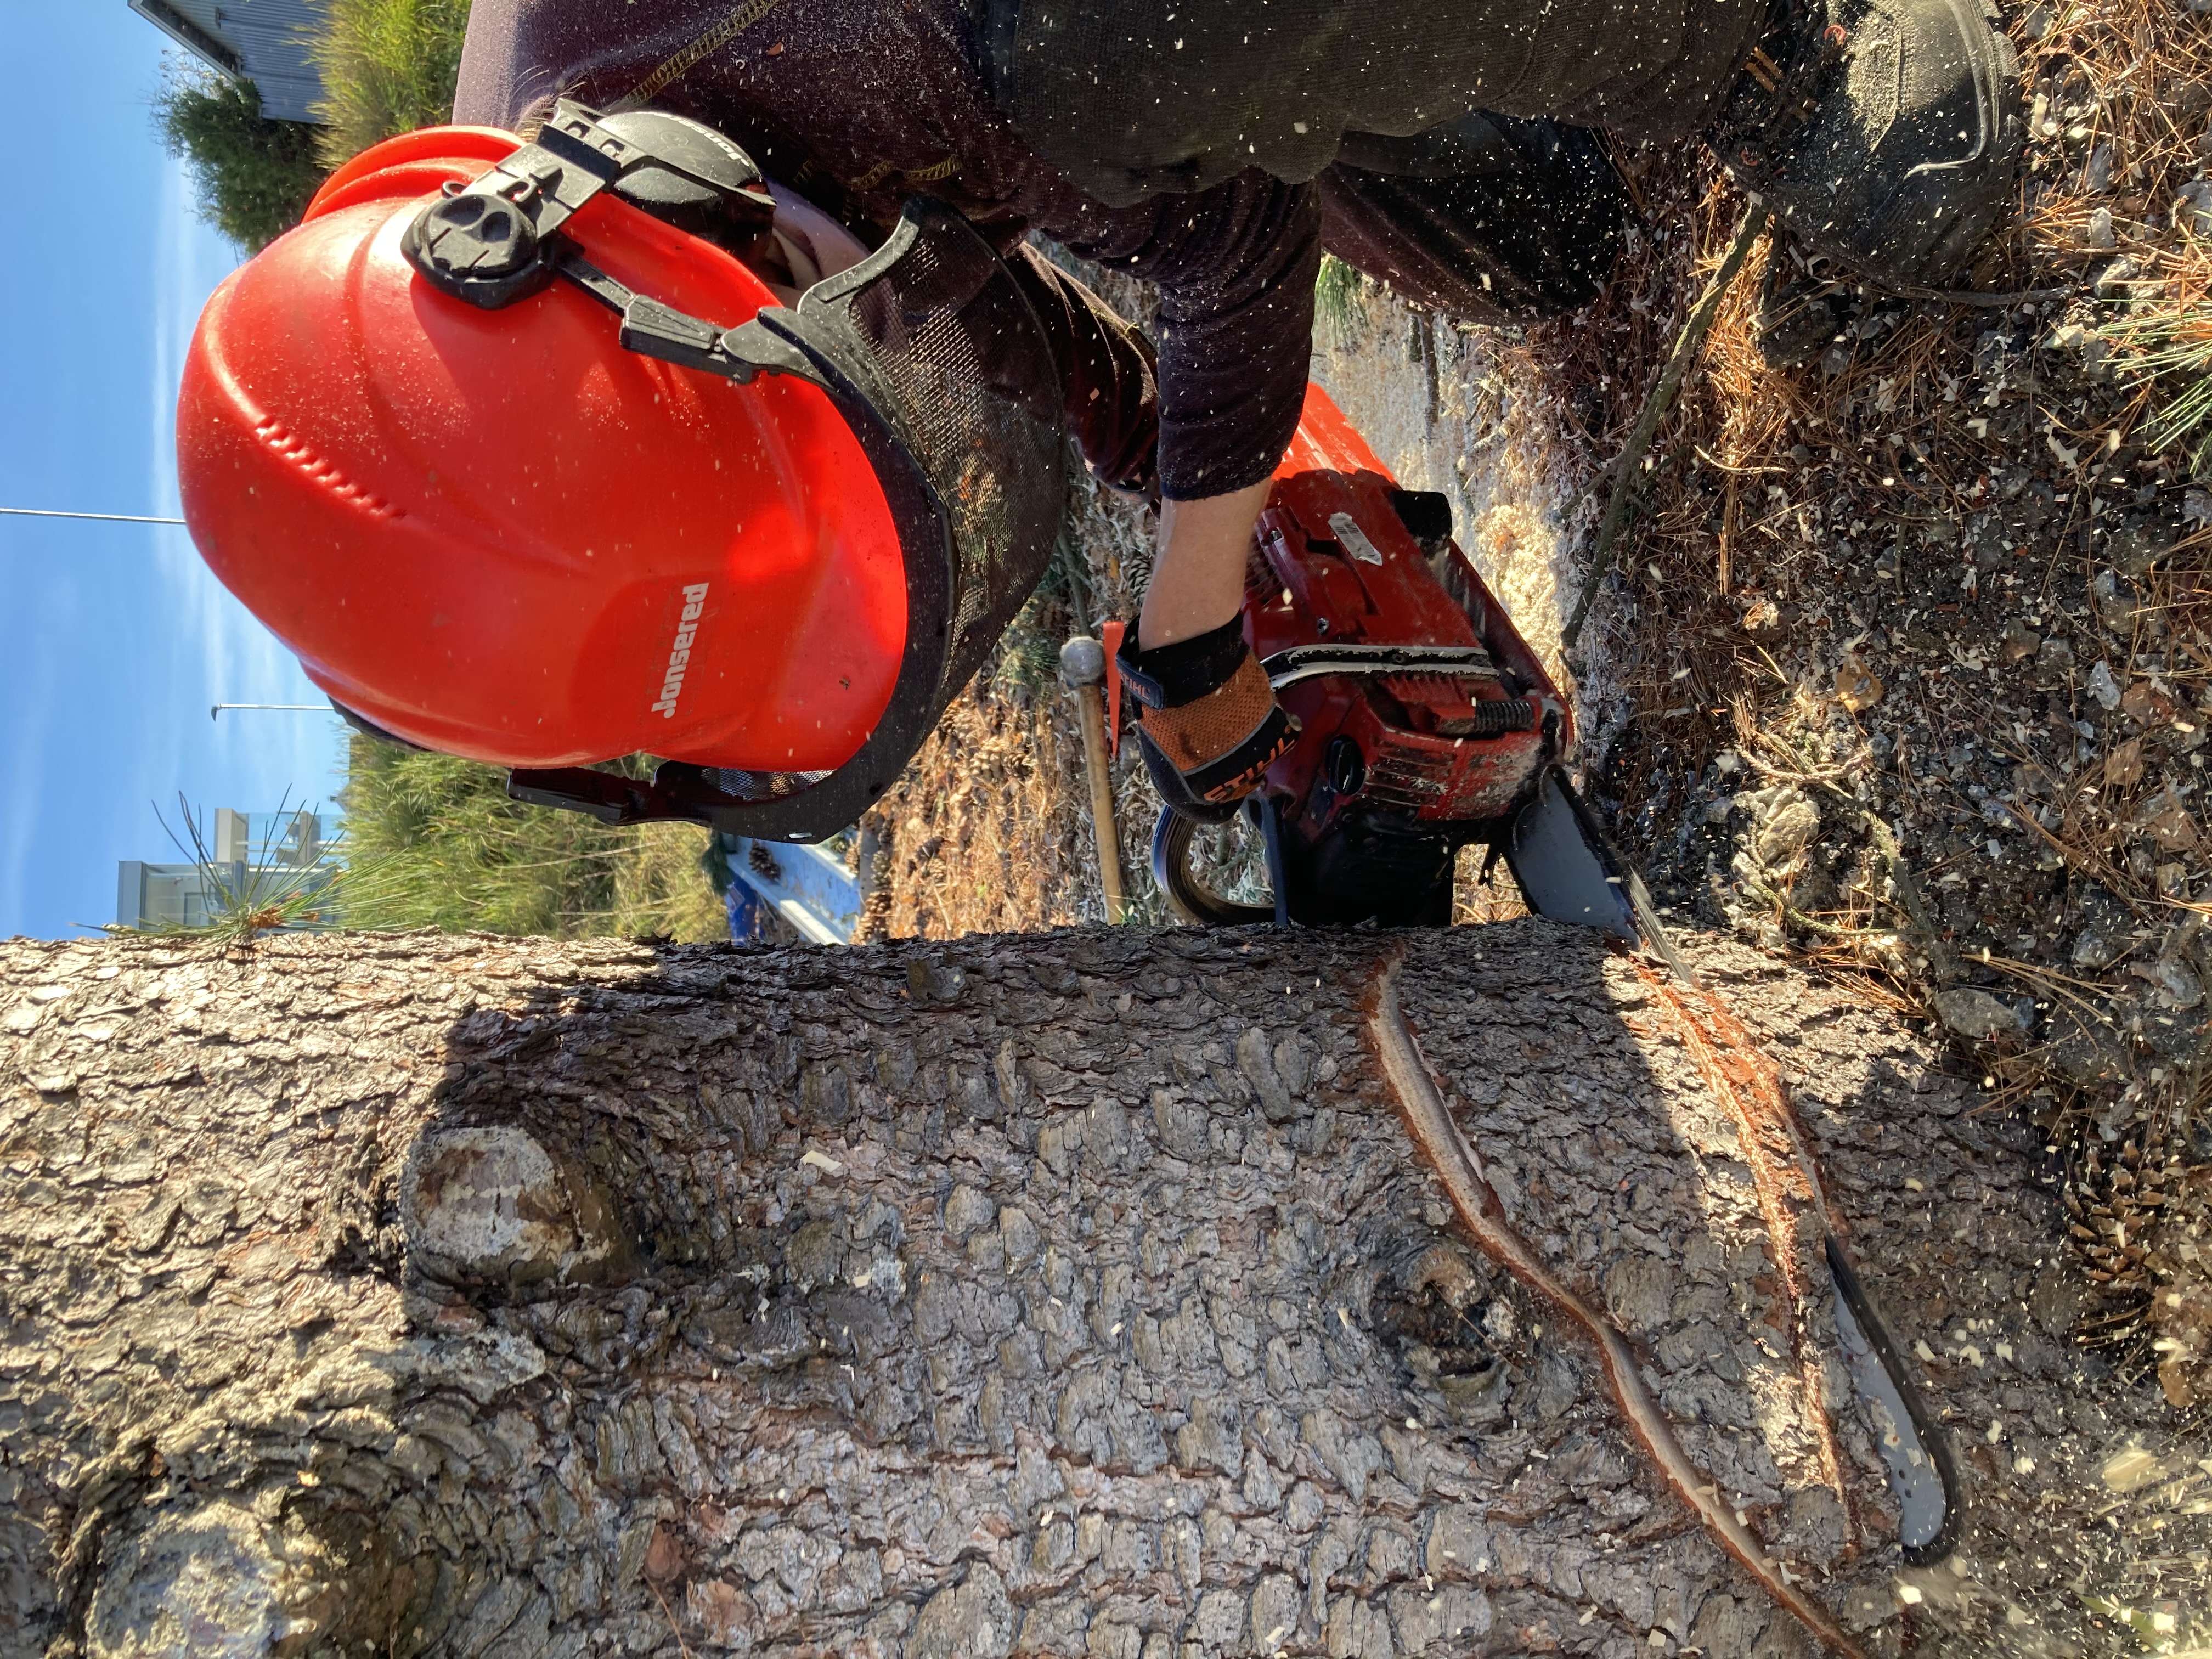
(499, 534)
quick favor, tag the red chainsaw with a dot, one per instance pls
(1426, 723)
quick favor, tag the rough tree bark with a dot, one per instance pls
(1081, 1294)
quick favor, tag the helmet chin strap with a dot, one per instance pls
(498, 240)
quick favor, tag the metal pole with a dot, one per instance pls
(289, 708)
(1082, 666)
(105, 518)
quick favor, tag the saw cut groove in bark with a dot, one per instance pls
(1787, 1174)
(1782, 1174)
(1430, 1123)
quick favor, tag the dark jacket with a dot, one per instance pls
(862, 103)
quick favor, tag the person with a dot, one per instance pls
(498, 539)
(1215, 148)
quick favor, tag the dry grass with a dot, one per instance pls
(660, 890)
(986, 828)
(1476, 902)
(989, 830)
(2124, 86)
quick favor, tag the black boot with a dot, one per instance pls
(1885, 133)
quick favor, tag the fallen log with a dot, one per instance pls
(1092, 1293)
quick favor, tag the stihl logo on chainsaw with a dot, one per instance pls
(679, 655)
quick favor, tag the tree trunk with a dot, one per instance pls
(1081, 1294)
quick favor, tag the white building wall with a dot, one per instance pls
(266, 41)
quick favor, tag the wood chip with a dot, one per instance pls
(2146, 705)
(2124, 766)
(2129, 1470)
(1857, 686)
(2171, 825)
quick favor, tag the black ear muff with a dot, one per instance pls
(692, 176)
(369, 728)
(496, 239)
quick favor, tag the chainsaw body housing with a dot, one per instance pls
(1425, 718)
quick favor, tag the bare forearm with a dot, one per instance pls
(1198, 582)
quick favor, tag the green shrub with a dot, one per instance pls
(1337, 299)
(253, 175)
(438, 843)
(388, 67)
(2168, 347)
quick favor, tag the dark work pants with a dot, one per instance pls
(1487, 220)
(1131, 98)
(1491, 220)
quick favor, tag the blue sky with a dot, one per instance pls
(114, 639)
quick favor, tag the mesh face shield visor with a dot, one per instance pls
(927, 349)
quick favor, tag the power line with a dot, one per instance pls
(288, 708)
(108, 518)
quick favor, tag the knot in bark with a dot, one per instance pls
(491, 1205)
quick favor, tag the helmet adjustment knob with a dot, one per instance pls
(471, 236)
(498, 240)
(492, 242)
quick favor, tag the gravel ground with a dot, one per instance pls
(1904, 666)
